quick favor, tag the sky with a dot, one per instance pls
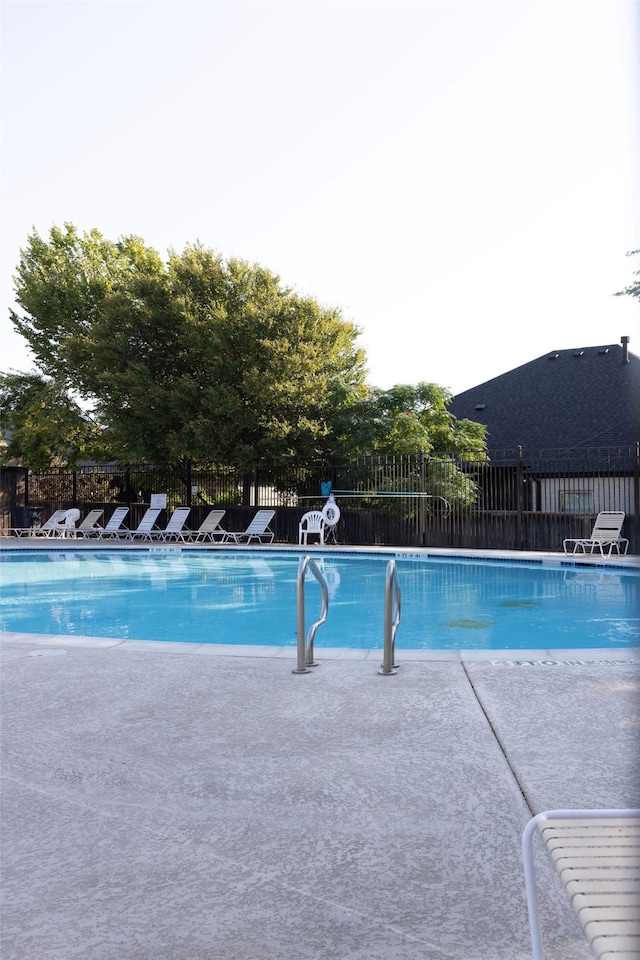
(458, 178)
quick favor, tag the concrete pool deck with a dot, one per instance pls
(168, 802)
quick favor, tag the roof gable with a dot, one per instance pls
(585, 397)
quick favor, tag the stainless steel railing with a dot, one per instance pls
(392, 614)
(305, 642)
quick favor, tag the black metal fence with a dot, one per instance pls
(514, 499)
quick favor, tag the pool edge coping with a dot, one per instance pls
(624, 561)
(613, 656)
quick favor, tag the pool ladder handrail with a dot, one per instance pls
(392, 614)
(305, 645)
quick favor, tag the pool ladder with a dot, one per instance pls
(305, 644)
(392, 613)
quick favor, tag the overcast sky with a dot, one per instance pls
(459, 178)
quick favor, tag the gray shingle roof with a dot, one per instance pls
(572, 399)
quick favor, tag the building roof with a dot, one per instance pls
(588, 397)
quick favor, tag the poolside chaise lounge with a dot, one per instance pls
(61, 523)
(597, 856)
(258, 529)
(606, 533)
(46, 530)
(173, 529)
(89, 525)
(145, 529)
(209, 529)
(114, 524)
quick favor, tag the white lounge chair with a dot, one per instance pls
(173, 529)
(145, 529)
(209, 529)
(311, 524)
(114, 524)
(89, 525)
(605, 533)
(597, 856)
(45, 530)
(258, 529)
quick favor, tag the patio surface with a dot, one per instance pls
(185, 802)
(183, 806)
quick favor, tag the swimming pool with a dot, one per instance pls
(249, 597)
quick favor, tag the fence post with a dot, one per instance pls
(635, 531)
(422, 515)
(188, 481)
(519, 499)
(127, 488)
(74, 489)
(246, 490)
(334, 472)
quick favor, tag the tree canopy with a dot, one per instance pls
(193, 359)
(200, 359)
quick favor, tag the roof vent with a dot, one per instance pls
(553, 356)
(480, 406)
(625, 349)
(579, 354)
(602, 352)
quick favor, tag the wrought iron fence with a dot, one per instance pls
(516, 499)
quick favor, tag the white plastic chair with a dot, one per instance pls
(311, 524)
(65, 525)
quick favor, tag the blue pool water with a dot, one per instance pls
(249, 597)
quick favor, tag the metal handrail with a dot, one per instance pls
(305, 645)
(392, 613)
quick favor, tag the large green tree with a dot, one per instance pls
(193, 359)
(199, 359)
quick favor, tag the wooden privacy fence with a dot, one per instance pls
(519, 499)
